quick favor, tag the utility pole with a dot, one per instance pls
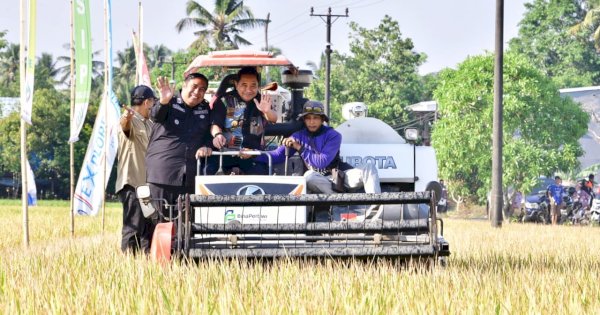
(328, 51)
(173, 63)
(267, 76)
(497, 196)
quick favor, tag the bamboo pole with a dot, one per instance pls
(71, 113)
(24, 205)
(106, 95)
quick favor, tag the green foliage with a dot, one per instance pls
(381, 71)
(47, 140)
(3, 41)
(591, 22)
(9, 143)
(9, 70)
(540, 129)
(179, 61)
(570, 59)
(46, 71)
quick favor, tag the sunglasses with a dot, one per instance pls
(313, 109)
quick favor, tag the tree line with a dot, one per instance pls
(556, 48)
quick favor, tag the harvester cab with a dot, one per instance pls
(273, 216)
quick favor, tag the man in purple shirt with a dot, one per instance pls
(319, 147)
(555, 194)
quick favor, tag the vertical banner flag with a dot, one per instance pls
(83, 64)
(102, 148)
(89, 191)
(30, 66)
(31, 188)
(142, 73)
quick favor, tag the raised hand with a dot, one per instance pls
(266, 102)
(165, 90)
(126, 119)
(127, 114)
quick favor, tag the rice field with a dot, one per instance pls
(516, 269)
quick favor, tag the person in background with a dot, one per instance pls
(555, 193)
(180, 135)
(133, 134)
(590, 185)
(582, 198)
(517, 203)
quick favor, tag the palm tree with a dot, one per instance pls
(156, 55)
(125, 73)
(9, 64)
(64, 71)
(46, 71)
(223, 26)
(591, 21)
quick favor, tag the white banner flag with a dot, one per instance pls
(89, 191)
(31, 188)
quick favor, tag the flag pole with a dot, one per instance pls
(71, 113)
(25, 208)
(107, 97)
(138, 68)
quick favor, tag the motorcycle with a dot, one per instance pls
(568, 210)
(594, 213)
(537, 208)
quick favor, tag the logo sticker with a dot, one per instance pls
(229, 215)
(250, 190)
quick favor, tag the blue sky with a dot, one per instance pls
(447, 31)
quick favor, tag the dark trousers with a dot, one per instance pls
(137, 230)
(167, 193)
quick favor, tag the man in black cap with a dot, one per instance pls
(179, 136)
(131, 169)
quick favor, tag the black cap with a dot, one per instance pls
(142, 92)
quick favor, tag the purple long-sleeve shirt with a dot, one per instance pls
(318, 149)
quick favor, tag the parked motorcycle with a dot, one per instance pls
(537, 208)
(594, 213)
(569, 207)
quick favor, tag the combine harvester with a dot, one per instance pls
(272, 216)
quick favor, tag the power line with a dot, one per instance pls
(367, 5)
(281, 29)
(346, 4)
(333, 4)
(292, 36)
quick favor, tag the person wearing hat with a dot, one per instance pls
(133, 137)
(180, 135)
(239, 121)
(555, 192)
(319, 147)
